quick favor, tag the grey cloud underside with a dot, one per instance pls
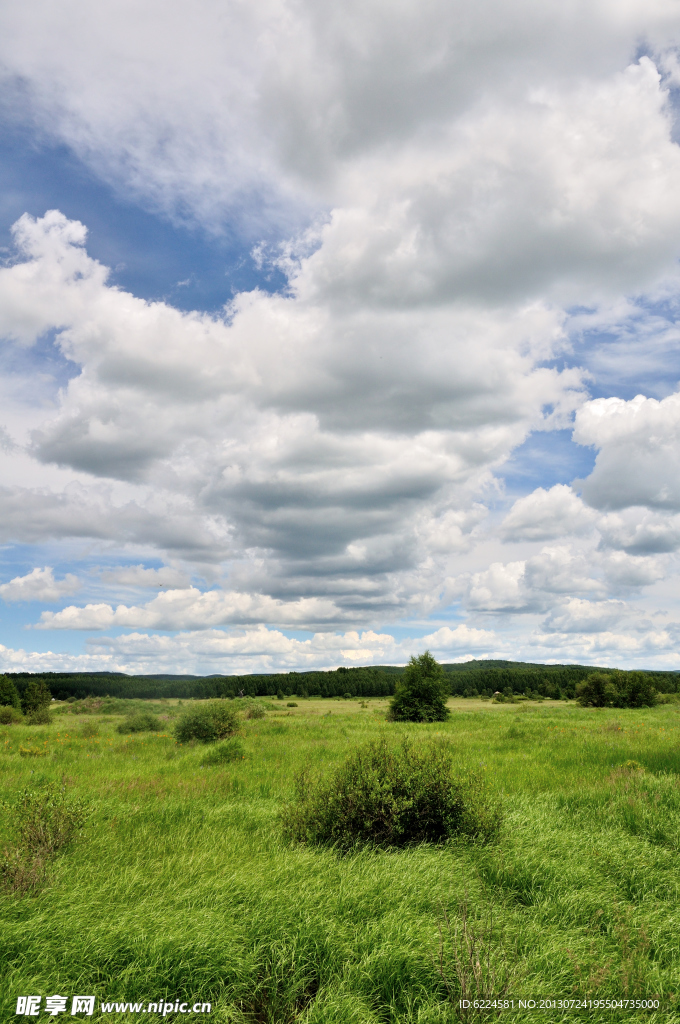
(31, 516)
(126, 458)
(646, 476)
(642, 532)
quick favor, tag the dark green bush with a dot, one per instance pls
(10, 715)
(391, 796)
(225, 753)
(208, 722)
(142, 721)
(291, 704)
(421, 692)
(616, 690)
(40, 716)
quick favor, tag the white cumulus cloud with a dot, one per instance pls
(39, 585)
(547, 514)
(638, 460)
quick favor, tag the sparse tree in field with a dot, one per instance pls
(9, 695)
(36, 696)
(421, 692)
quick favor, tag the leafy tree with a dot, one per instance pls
(616, 690)
(597, 691)
(36, 696)
(637, 690)
(421, 692)
(9, 695)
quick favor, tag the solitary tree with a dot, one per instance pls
(421, 692)
(9, 695)
(36, 696)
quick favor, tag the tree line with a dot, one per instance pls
(467, 679)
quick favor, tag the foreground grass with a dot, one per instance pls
(181, 887)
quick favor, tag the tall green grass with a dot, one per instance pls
(182, 886)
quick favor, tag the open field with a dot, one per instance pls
(180, 887)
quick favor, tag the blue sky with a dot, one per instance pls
(324, 341)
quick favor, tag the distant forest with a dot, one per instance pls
(469, 679)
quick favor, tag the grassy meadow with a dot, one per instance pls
(180, 886)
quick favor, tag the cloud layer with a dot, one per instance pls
(460, 201)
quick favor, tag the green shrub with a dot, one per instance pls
(40, 716)
(89, 729)
(10, 715)
(347, 696)
(421, 692)
(255, 711)
(44, 821)
(207, 722)
(47, 819)
(280, 695)
(142, 721)
(291, 704)
(391, 796)
(225, 753)
(616, 690)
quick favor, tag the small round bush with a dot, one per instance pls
(291, 704)
(207, 722)
(391, 796)
(89, 729)
(255, 711)
(225, 753)
(10, 716)
(41, 716)
(142, 721)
